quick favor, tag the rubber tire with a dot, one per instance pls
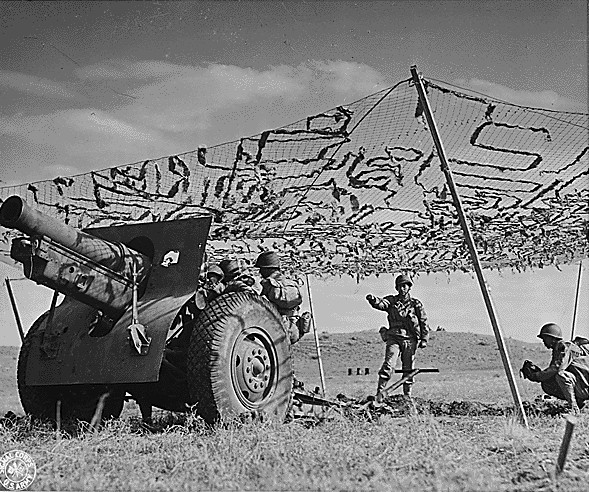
(78, 402)
(225, 334)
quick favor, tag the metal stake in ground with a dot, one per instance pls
(471, 245)
(566, 441)
(15, 310)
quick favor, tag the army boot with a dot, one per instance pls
(407, 389)
(381, 384)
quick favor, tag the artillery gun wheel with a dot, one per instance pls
(77, 401)
(239, 360)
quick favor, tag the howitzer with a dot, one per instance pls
(128, 325)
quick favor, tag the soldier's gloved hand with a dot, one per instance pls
(530, 370)
(422, 344)
(370, 298)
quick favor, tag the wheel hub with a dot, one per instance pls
(254, 367)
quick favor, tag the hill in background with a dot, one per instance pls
(447, 351)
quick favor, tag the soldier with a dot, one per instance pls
(567, 376)
(214, 283)
(407, 330)
(285, 294)
(211, 287)
(235, 279)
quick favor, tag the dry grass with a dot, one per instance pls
(414, 453)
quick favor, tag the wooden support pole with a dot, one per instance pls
(471, 245)
(15, 311)
(319, 360)
(58, 418)
(97, 417)
(566, 442)
(579, 276)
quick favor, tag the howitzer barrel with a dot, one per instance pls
(16, 214)
(72, 261)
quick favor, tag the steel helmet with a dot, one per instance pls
(230, 268)
(403, 279)
(550, 330)
(215, 270)
(268, 259)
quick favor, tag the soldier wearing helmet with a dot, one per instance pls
(284, 293)
(214, 283)
(210, 287)
(235, 279)
(567, 376)
(408, 329)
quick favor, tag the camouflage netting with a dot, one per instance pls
(359, 189)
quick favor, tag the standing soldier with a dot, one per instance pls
(407, 330)
(567, 376)
(285, 294)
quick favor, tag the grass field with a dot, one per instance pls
(345, 451)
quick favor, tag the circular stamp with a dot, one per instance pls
(17, 470)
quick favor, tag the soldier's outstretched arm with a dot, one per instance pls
(379, 303)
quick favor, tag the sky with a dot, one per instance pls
(89, 85)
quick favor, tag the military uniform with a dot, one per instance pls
(235, 279)
(275, 287)
(583, 344)
(407, 327)
(567, 376)
(242, 283)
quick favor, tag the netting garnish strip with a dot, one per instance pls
(338, 147)
(486, 97)
(471, 246)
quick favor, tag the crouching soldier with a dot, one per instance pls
(407, 330)
(567, 376)
(285, 294)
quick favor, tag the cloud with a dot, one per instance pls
(98, 122)
(350, 79)
(73, 141)
(69, 126)
(38, 86)
(146, 109)
(215, 103)
(539, 99)
(121, 69)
